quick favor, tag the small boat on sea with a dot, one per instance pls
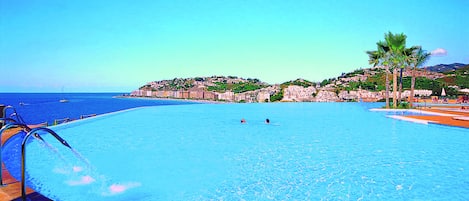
(63, 100)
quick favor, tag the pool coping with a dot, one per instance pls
(416, 111)
(414, 120)
(441, 115)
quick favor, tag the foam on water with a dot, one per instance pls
(120, 188)
(83, 181)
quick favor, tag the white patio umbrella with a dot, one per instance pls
(443, 93)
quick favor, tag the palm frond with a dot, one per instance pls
(421, 57)
(396, 42)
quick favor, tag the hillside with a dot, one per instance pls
(213, 83)
(458, 77)
(463, 71)
(442, 68)
(363, 84)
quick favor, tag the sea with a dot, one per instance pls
(38, 108)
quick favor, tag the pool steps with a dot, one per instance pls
(11, 188)
(4, 128)
(19, 124)
(33, 132)
(3, 112)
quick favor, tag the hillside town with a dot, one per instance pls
(227, 88)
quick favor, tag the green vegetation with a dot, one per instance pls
(377, 80)
(464, 71)
(393, 53)
(354, 73)
(236, 87)
(376, 83)
(325, 82)
(370, 86)
(297, 82)
(219, 87)
(458, 77)
(255, 80)
(372, 83)
(461, 81)
(420, 83)
(436, 85)
(247, 86)
(402, 105)
(199, 79)
(277, 97)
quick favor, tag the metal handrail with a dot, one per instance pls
(8, 119)
(23, 154)
(4, 128)
(18, 117)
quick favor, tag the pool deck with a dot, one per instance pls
(443, 115)
(11, 190)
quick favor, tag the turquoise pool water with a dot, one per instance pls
(309, 151)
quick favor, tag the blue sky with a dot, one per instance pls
(118, 45)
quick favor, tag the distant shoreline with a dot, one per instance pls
(174, 99)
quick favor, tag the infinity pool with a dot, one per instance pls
(309, 151)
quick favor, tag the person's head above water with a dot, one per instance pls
(243, 121)
(267, 121)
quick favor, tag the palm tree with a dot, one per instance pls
(380, 57)
(405, 61)
(390, 54)
(396, 44)
(417, 59)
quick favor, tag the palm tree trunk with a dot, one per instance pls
(386, 95)
(394, 88)
(412, 85)
(400, 87)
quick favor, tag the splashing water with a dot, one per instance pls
(83, 159)
(55, 152)
(77, 169)
(113, 189)
(120, 188)
(83, 181)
